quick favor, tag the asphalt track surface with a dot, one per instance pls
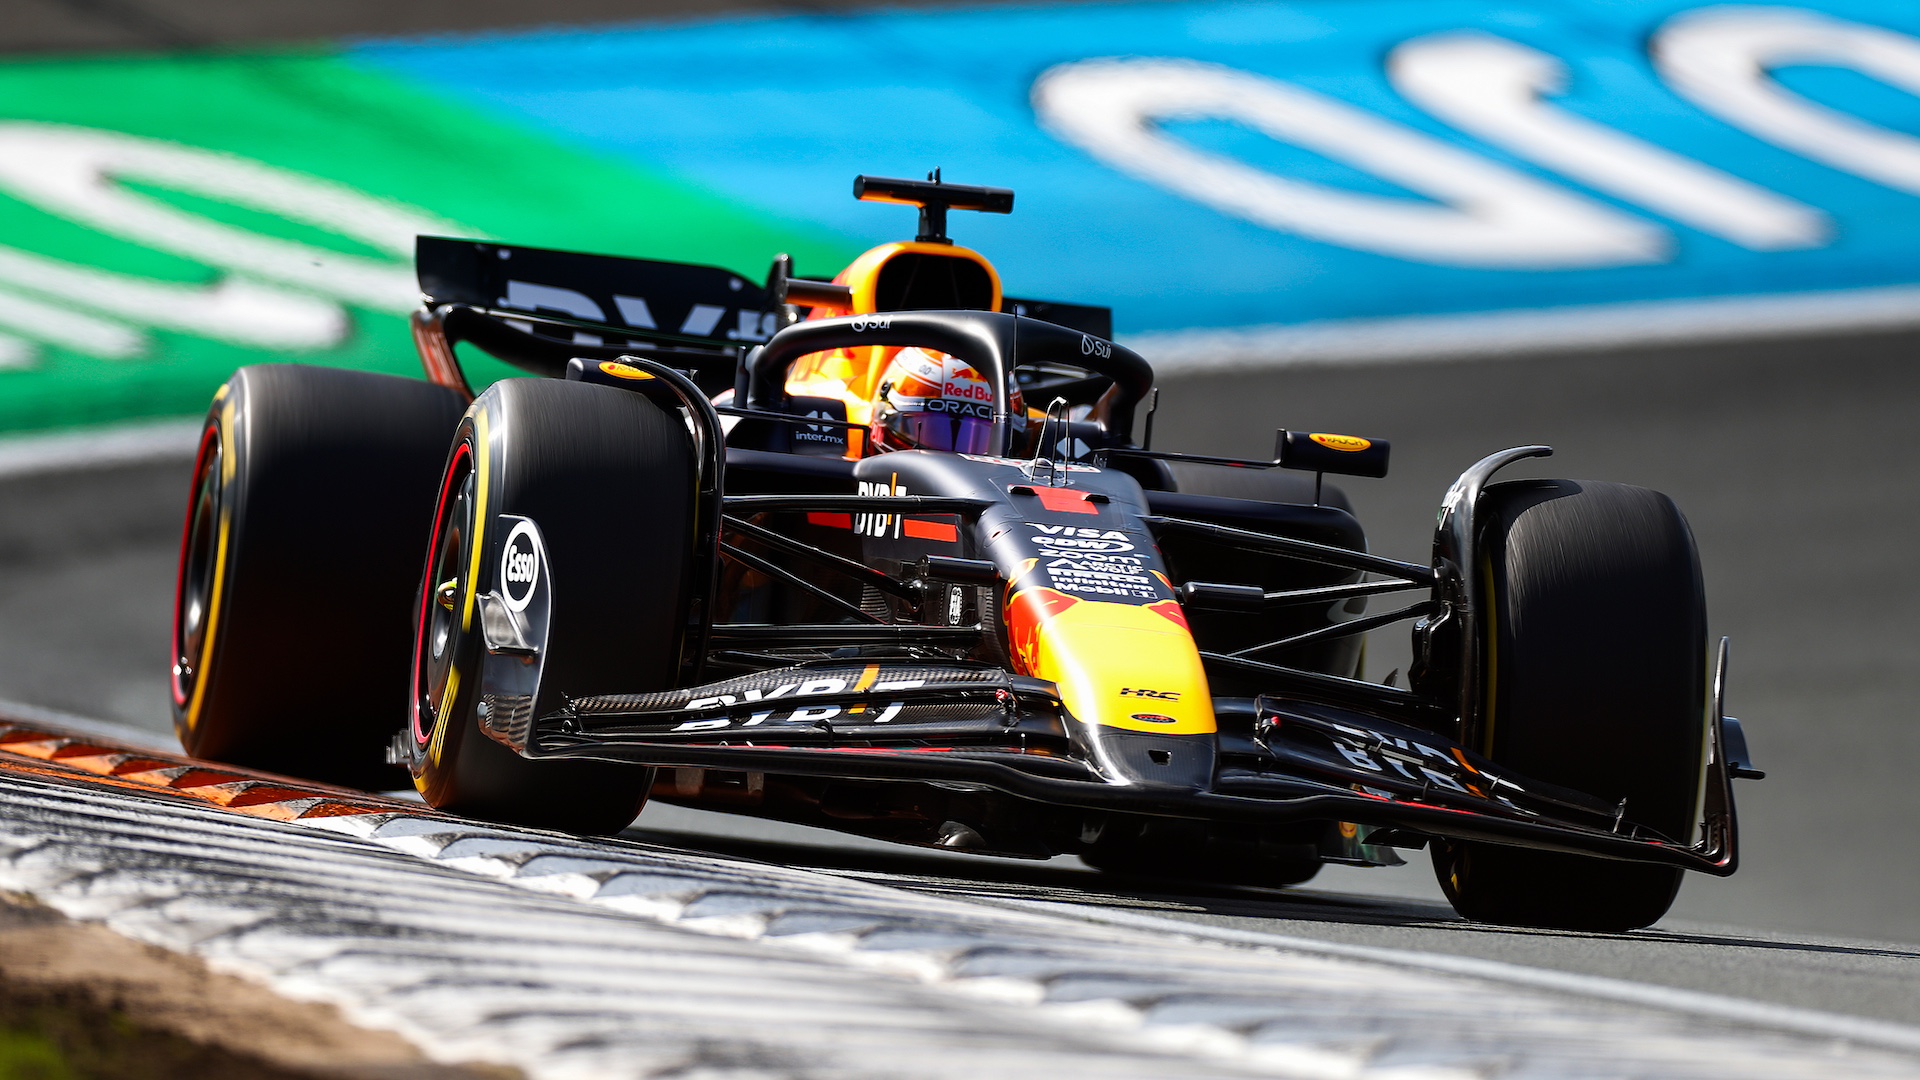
(1794, 459)
(1791, 458)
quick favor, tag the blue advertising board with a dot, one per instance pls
(1208, 165)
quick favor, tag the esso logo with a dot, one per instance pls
(520, 567)
(860, 324)
(1093, 346)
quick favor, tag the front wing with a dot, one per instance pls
(965, 724)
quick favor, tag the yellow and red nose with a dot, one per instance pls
(1117, 665)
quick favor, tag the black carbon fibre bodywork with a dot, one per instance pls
(857, 660)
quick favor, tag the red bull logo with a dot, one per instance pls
(1109, 659)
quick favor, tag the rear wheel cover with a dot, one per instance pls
(311, 491)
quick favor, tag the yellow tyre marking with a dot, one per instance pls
(482, 450)
(228, 467)
(443, 716)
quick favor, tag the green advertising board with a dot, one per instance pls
(166, 220)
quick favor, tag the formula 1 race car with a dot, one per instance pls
(881, 554)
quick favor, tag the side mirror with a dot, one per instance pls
(1319, 452)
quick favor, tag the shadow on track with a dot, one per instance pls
(1300, 910)
(982, 878)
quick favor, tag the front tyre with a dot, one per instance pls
(608, 478)
(1596, 680)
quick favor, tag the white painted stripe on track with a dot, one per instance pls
(99, 448)
(1720, 1007)
(1488, 334)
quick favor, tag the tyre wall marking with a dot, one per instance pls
(229, 468)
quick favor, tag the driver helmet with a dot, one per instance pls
(931, 401)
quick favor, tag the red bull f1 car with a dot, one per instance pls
(894, 554)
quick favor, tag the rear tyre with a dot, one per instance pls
(1596, 674)
(292, 612)
(608, 478)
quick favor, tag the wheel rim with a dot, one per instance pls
(443, 630)
(199, 559)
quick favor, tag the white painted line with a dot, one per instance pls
(99, 448)
(1736, 1010)
(1489, 334)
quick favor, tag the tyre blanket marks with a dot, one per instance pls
(1201, 166)
(570, 957)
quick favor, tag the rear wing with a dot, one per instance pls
(680, 303)
(536, 309)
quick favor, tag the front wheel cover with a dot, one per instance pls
(1595, 616)
(611, 488)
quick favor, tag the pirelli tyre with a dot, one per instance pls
(1596, 653)
(312, 490)
(607, 478)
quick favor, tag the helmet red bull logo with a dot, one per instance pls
(931, 401)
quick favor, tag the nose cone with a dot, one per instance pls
(1172, 763)
(1131, 677)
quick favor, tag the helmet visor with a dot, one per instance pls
(944, 431)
